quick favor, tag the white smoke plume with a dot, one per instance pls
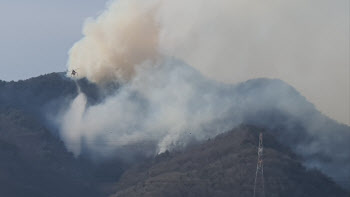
(305, 43)
(168, 104)
(163, 103)
(71, 130)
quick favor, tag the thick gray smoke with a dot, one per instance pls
(303, 42)
(163, 103)
(169, 104)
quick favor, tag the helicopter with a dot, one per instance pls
(73, 72)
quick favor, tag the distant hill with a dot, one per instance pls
(33, 163)
(225, 166)
(45, 95)
(38, 93)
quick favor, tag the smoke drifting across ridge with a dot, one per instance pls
(163, 103)
(170, 105)
(305, 43)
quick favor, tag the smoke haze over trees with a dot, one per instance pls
(156, 87)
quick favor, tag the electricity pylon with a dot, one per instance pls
(259, 174)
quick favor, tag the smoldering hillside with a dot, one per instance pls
(177, 106)
(266, 103)
(225, 166)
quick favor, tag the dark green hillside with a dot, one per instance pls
(33, 163)
(225, 166)
(45, 94)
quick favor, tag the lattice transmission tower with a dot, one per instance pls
(259, 182)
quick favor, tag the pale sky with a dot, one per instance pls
(35, 35)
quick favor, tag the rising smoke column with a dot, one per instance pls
(168, 103)
(164, 103)
(303, 42)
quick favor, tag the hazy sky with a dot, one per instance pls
(35, 37)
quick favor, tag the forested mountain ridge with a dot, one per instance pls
(35, 162)
(226, 166)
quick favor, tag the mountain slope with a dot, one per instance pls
(321, 143)
(45, 95)
(225, 166)
(278, 107)
(34, 163)
(34, 160)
